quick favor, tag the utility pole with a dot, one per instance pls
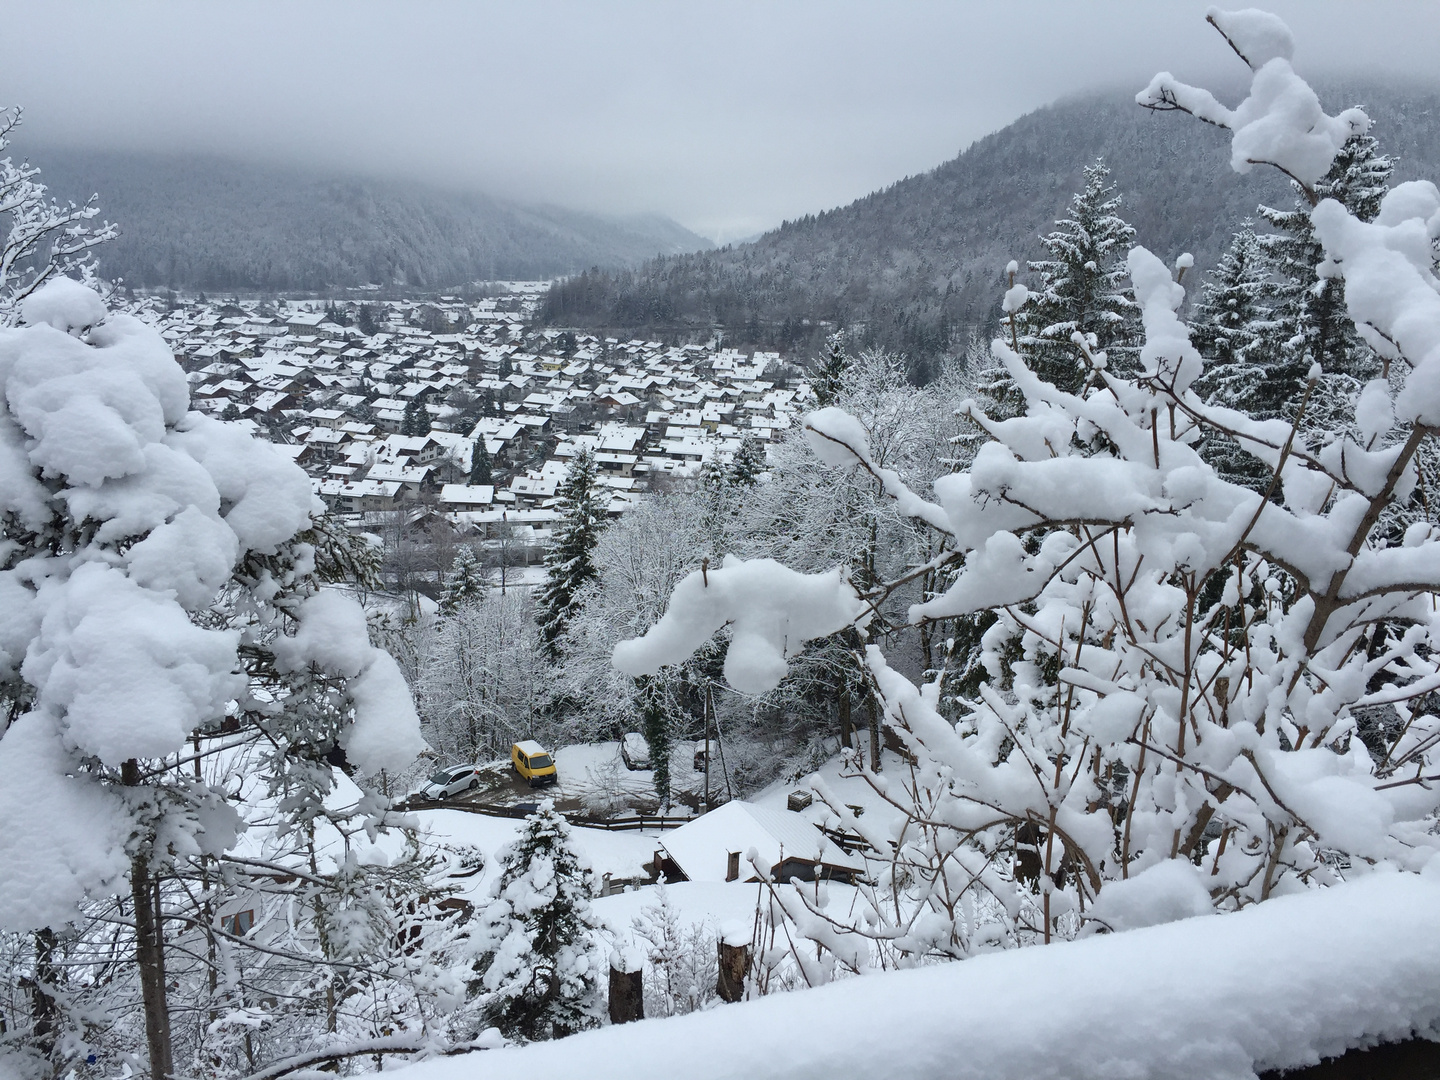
(709, 705)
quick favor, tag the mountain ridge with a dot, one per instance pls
(918, 265)
(208, 222)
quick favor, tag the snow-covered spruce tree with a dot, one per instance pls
(748, 464)
(1310, 324)
(465, 583)
(39, 237)
(481, 470)
(1149, 753)
(1229, 326)
(1231, 316)
(830, 370)
(1082, 287)
(568, 564)
(414, 421)
(542, 963)
(158, 571)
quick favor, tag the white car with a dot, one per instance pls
(450, 781)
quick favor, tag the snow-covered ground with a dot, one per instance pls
(620, 854)
(851, 790)
(592, 778)
(1217, 997)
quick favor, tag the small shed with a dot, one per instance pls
(714, 847)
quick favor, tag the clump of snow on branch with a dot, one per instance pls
(1281, 122)
(334, 639)
(771, 610)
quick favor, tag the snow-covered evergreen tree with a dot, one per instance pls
(1082, 287)
(543, 963)
(657, 724)
(568, 564)
(1310, 324)
(1231, 324)
(830, 373)
(415, 420)
(480, 467)
(1232, 314)
(465, 583)
(748, 464)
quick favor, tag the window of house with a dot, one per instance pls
(239, 924)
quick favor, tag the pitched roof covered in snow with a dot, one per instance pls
(702, 848)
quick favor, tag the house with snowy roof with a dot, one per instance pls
(717, 847)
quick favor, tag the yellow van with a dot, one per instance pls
(533, 762)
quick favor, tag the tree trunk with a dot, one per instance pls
(734, 963)
(627, 995)
(44, 1012)
(149, 951)
(842, 702)
(874, 732)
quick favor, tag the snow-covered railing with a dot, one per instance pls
(1280, 985)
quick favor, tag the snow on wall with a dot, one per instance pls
(1219, 997)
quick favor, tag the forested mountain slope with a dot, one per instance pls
(920, 263)
(204, 222)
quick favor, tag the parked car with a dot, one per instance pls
(534, 763)
(450, 781)
(635, 751)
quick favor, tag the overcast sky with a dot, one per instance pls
(726, 116)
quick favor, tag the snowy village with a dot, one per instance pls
(987, 630)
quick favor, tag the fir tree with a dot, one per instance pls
(415, 421)
(1310, 323)
(568, 564)
(831, 373)
(480, 466)
(1232, 314)
(544, 968)
(748, 464)
(506, 367)
(1082, 287)
(1229, 327)
(365, 321)
(465, 583)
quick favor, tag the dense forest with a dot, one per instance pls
(918, 266)
(203, 222)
